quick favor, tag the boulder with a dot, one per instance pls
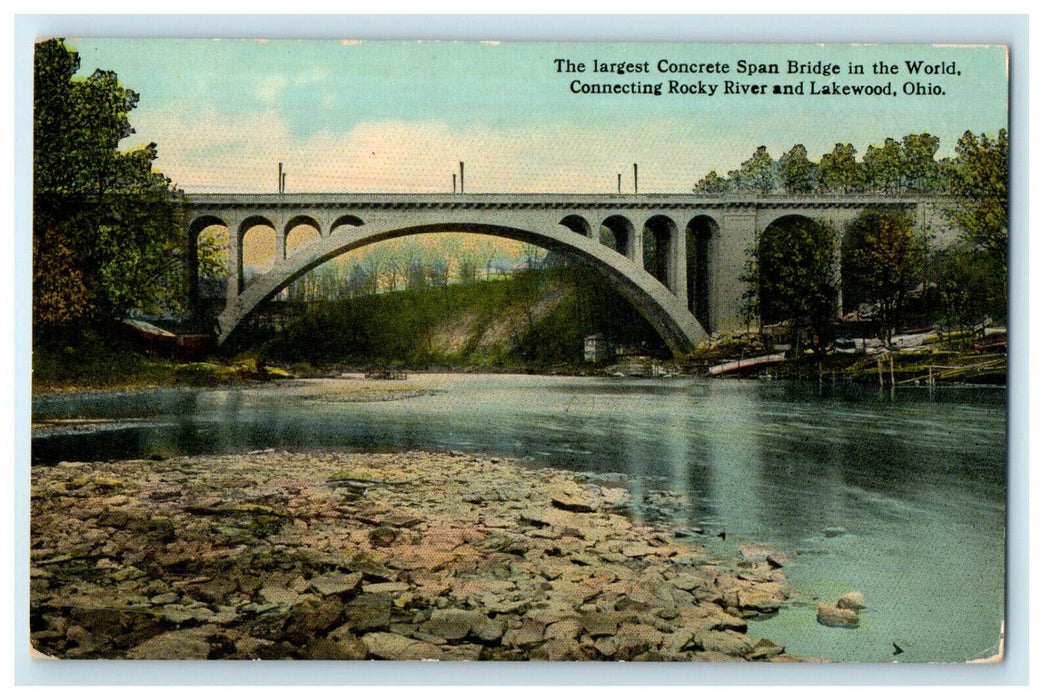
(531, 632)
(367, 612)
(568, 628)
(851, 601)
(383, 536)
(180, 644)
(396, 647)
(334, 584)
(560, 649)
(452, 624)
(830, 616)
(348, 648)
(724, 642)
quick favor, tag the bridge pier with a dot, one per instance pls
(280, 240)
(635, 243)
(730, 250)
(234, 261)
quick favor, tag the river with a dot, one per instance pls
(914, 482)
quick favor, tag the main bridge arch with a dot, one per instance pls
(667, 313)
(680, 259)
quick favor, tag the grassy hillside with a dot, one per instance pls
(534, 320)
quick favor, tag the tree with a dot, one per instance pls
(967, 282)
(919, 167)
(103, 219)
(711, 184)
(798, 173)
(59, 295)
(791, 276)
(977, 180)
(882, 264)
(883, 168)
(759, 173)
(533, 255)
(839, 170)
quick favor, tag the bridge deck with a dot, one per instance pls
(553, 200)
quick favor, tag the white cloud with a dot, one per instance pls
(217, 152)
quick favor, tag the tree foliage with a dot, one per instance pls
(758, 173)
(906, 165)
(798, 173)
(920, 169)
(839, 171)
(971, 285)
(107, 237)
(791, 277)
(977, 179)
(882, 167)
(712, 183)
(882, 264)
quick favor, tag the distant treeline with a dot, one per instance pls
(906, 165)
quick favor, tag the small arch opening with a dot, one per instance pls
(577, 224)
(657, 236)
(258, 248)
(346, 220)
(616, 233)
(700, 235)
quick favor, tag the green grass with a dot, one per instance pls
(92, 361)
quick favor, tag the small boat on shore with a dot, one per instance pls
(745, 363)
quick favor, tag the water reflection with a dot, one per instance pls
(918, 483)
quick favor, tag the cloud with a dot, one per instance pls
(212, 151)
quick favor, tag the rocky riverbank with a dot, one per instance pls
(374, 556)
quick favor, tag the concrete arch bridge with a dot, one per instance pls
(688, 290)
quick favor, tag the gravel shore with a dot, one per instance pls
(413, 555)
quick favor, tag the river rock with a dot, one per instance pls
(560, 649)
(347, 648)
(397, 647)
(830, 616)
(202, 568)
(725, 642)
(851, 601)
(336, 584)
(531, 632)
(368, 612)
(383, 536)
(180, 644)
(453, 624)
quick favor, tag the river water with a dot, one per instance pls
(915, 482)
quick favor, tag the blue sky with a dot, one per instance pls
(399, 116)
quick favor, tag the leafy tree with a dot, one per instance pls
(791, 276)
(798, 173)
(103, 219)
(59, 295)
(839, 170)
(920, 169)
(759, 173)
(884, 168)
(882, 264)
(970, 285)
(977, 179)
(711, 184)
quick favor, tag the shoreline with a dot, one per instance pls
(350, 555)
(394, 387)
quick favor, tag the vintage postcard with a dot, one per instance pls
(491, 351)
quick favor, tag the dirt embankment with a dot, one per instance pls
(373, 556)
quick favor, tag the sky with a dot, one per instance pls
(379, 116)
